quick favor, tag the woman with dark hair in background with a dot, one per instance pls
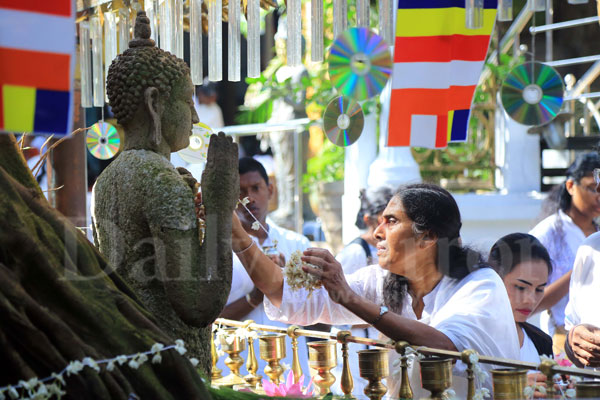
(427, 289)
(576, 204)
(524, 265)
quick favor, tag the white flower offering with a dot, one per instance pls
(297, 278)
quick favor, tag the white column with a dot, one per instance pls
(358, 158)
(517, 156)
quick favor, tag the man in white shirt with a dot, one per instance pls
(245, 301)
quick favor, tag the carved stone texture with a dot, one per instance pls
(60, 301)
(143, 209)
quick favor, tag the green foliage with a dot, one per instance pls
(326, 166)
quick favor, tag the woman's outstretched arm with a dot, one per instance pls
(392, 325)
(266, 275)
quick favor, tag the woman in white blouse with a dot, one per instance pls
(427, 289)
(524, 265)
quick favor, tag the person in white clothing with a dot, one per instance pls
(360, 253)
(206, 105)
(582, 319)
(576, 204)
(427, 289)
(245, 301)
(524, 264)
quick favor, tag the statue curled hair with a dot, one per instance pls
(141, 66)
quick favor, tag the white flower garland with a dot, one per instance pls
(256, 225)
(53, 385)
(297, 278)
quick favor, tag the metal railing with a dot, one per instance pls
(548, 367)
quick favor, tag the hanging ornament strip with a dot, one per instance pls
(178, 25)
(537, 5)
(474, 14)
(386, 21)
(316, 30)
(362, 13)
(505, 10)
(150, 8)
(340, 17)
(215, 40)
(110, 41)
(196, 42)
(165, 25)
(234, 42)
(97, 70)
(253, 38)
(85, 64)
(123, 29)
(294, 32)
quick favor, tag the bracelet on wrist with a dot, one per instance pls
(245, 250)
(382, 311)
(249, 300)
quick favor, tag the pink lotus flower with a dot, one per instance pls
(562, 360)
(289, 388)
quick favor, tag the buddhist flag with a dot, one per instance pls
(437, 64)
(37, 47)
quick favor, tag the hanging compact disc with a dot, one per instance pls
(197, 151)
(343, 121)
(360, 63)
(102, 140)
(532, 93)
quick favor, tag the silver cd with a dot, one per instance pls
(343, 121)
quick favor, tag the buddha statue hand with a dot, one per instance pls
(220, 179)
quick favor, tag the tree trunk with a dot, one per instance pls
(57, 303)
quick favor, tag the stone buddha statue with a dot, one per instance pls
(144, 216)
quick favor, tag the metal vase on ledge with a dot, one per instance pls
(373, 365)
(272, 349)
(436, 375)
(509, 383)
(233, 345)
(322, 357)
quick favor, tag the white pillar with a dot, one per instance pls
(517, 156)
(358, 158)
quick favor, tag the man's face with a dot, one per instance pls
(253, 186)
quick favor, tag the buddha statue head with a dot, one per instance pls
(150, 92)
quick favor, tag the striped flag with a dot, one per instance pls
(37, 47)
(437, 64)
